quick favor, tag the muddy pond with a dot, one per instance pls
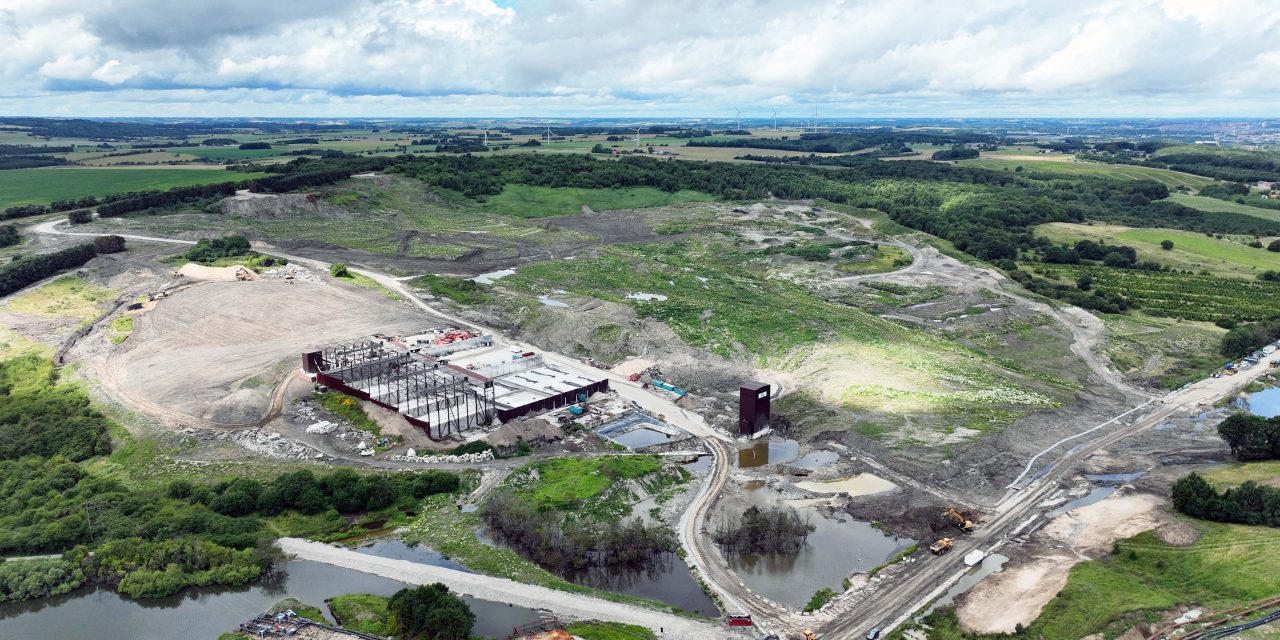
(839, 547)
(93, 613)
(1265, 403)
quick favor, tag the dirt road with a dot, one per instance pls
(890, 604)
(570, 605)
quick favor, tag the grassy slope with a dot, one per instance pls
(1171, 351)
(1193, 251)
(1229, 475)
(40, 186)
(66, 297)
(360, 612)
(524, 201)
(1214, 205)
(1060, 164)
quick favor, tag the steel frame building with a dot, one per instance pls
(434, 396)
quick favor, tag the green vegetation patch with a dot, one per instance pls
(459, 290)
(40, 186)
(594, 630)
(526, 201)
(1214, 205)
(567, 484)
(360, 612)
(819, 599)
(349, 409)
(65, 297)
(1182, 295)
(1232, 475)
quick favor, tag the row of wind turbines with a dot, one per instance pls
(811, 125)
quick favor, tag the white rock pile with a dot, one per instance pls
(483, 456)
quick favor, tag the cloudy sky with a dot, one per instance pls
(436, 58)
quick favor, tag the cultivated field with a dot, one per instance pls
(1193, 251)
(40, 186)
(1214, 205)
(1068, 165)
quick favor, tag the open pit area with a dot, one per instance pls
(215, 351)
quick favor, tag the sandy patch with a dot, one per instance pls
(860, 485)
(218, 274)
(1017, 595)
(634, 365)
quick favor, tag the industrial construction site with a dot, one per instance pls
(292, 365)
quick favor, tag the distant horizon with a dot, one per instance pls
(504, 58)
(752, 119)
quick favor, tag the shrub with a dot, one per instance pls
(83, 216)
(339, 270)
(1274, 246)
(108, 244)
(1168, 245)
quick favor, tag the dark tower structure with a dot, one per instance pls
(753, 408)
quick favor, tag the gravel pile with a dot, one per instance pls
(292, 271)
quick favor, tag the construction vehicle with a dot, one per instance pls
(958, 519)
(809, 634)
(941, 546)
(740, 620)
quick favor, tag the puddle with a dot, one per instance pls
(768, 452)
(551, 302)
(493, 276)
(699, 466)
(398, 550)
(1265, 403)
(860, 485)
(1096, 495)
(816, 459)
(646, 297)
(839, 547)
(1114, 478)
(642, 437)
(989, 565)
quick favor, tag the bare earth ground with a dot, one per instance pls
(210, 352)
(1016, 595)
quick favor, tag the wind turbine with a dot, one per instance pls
(738, 118)
(775, 118)
(815, 121)
(637, 137)
(486, 136)
(546, 135)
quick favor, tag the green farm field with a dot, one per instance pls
(1193, 251)
(1214, 205)
(41, 186)
(1068, 166)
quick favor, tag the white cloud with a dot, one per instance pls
(563, 57)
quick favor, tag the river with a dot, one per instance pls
(96, 613)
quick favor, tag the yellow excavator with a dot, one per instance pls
(958, 519)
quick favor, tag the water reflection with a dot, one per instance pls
(768, 452)
(95, 613)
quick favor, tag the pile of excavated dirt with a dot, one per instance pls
(264, 206)
(534, 432)
(216, 274)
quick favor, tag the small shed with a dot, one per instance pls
(974, 557)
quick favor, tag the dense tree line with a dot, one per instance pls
(342, 490)
(430, 612)
(29, 150)
(1246, 338)
(42, 418)
(552, 539)
(208, 250)
(37, 578)
(777, 529)
(145, 568)
(255, 145)
(846, 142)
(1251, 437)
(9, 235)
(29, 162)
(175, 196)
(1250, 503)
(957, 153)
(24, 271)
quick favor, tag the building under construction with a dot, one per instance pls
(437, 397)
(479, 383)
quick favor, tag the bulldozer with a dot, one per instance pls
(958, 519)
(942, 546)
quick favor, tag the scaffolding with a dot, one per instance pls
(442, 402)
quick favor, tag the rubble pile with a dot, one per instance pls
(483, 456)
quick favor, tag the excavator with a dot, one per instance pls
(958, 519)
